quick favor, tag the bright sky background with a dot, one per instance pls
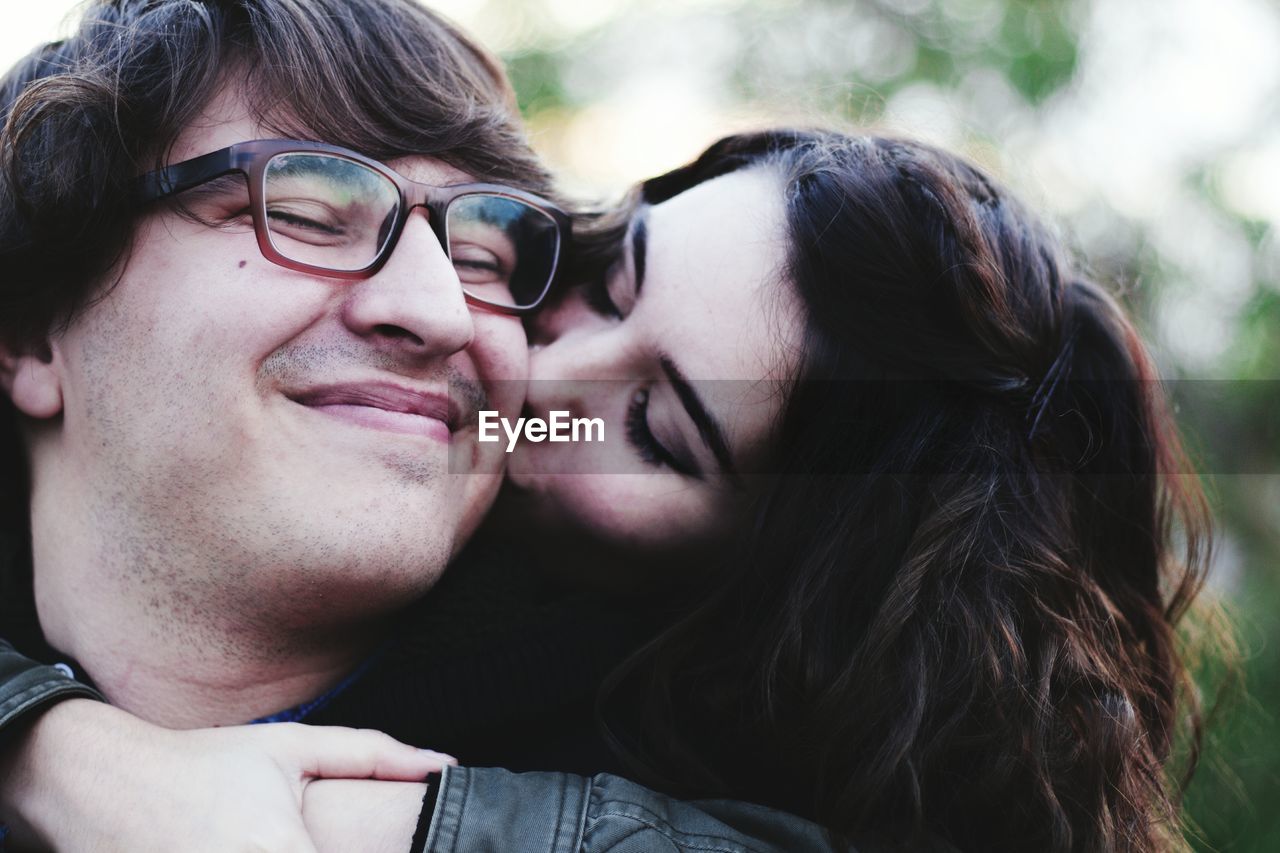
(1163, 82)
(1164, 86)
(26, 23)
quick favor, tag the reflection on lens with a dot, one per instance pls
(503, 249)
(328, 211)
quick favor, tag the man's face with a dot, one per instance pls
(225, 413)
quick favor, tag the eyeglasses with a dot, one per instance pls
(322, 209)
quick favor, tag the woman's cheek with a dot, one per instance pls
(649, 510)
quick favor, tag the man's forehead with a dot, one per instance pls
(227, 119)
(223, 121)
(428, 170)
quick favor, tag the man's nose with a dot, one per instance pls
(414, 305)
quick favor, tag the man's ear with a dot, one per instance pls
(32, 381)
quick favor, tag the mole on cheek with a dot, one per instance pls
(242, 263)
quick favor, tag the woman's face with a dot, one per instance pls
(684, 350)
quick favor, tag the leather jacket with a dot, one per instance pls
(492, 809)
(27, 686)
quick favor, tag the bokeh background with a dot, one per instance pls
(1148, 130)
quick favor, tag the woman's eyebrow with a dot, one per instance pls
(639, 244)
(709, 429)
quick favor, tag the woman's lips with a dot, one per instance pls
(382, 406)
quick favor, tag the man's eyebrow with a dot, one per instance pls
(640, 244)
(709, 429)
(220, 184)
(223, 185)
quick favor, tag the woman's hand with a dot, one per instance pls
(91, 777)
(358, 814)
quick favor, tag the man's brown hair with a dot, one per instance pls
(83, 116)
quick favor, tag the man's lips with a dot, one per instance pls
(384, 406)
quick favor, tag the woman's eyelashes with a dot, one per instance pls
(641, 437)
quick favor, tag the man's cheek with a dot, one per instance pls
(478, 493)
(500, 348)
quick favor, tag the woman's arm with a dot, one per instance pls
(87, 776)
(27, 687)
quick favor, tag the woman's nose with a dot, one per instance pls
(567, 315)
(572, 365)
(559, 375)
(572, 344)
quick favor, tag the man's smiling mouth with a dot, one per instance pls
(386, 406)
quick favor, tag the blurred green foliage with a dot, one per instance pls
(537, 77)
(1032, 43)
(847, 60)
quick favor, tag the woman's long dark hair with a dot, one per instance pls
(952, 613)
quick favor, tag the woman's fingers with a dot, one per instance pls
(362, 814)
(333, 752)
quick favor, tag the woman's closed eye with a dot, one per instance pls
(650, 448)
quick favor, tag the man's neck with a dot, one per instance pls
(213, 695)
(184, 656)
(196, 678)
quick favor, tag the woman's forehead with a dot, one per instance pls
(715, 299)
(713, 282)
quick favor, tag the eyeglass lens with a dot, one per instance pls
(337, 214)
